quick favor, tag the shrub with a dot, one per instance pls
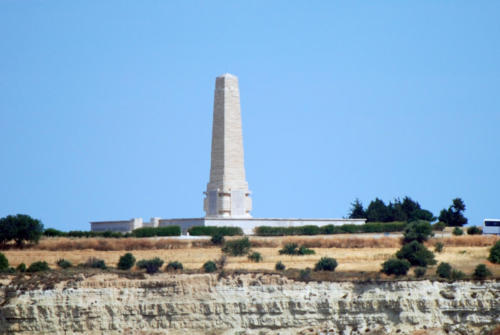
(456, 274)
(95, 263)
(289, 249)
(293, 249)
(481, 272)
(174, 266)
(38, 266)
(217, 238)
(419, 271)
(126, 261)
(438, 247)
(457, 231)
(369, 227)
(417, 254)
(157, 231)
(212, 230)
(21, 267)
(279, 266)
(444, 270)
(238, 247)
(63, 264)
(150, 265)
(439, 226)
(209, 267)
(51, 232)
(4, 262)
(419, 231)
(326, 264)
(495, 253)
(474, 230)
(395, 266)
(255, 257)
(305, 251)
(305, 274)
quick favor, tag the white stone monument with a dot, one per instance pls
(227, 192)
(227, 198)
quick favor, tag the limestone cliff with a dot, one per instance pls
(249, 304)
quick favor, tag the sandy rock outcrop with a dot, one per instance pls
(250, 304)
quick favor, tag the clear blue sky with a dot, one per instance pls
(106, 107)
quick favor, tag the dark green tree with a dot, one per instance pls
(377, 211)
(419, 231)
(357, 211)
(417, 254)
(453, 216)
(20, 228)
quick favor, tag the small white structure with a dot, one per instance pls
(227, 198)
(491, 226)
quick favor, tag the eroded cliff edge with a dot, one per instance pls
(249, 304)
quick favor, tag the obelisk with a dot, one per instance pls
(227, 192)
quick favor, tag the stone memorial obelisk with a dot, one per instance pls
(227, 192)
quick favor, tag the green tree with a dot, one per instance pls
(20, 228)
(395, 266)
(126, 261)
(419, 231)
(377, 211)
(4, 262)
(481, 272)
(495, 253)
(417, 254)
(357, 211)
(453, 216)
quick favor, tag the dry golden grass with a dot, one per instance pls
(319, 241)
(349, 259)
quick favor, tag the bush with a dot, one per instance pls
(439, 226)
(217, 238)
(419, 231)
(305, 274)
(238, 247)
(369, 227)
(221, 262)
(438, 247)
(126, 261)
(417, 254)
(157, 231)
(20, 228)
(255, 257)
(293, 249)
(419, 271)
(444, 270)
(457, 231)
(474, 230)
(4, 262)
(395, 266)
(51, 232)
(63, 264)
(305, 251)
(150, 265)
(209, 267)
(326, 264)
(495, 253)
(174, 266)
(95, 263)
(38, 266)
(457, 274)
(21, 267)
(481, 272)
(279, 266)
(212, 230)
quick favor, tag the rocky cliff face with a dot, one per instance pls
(250, 304)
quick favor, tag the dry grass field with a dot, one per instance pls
(360, 254)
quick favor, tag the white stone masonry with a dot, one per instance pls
(227, 192)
